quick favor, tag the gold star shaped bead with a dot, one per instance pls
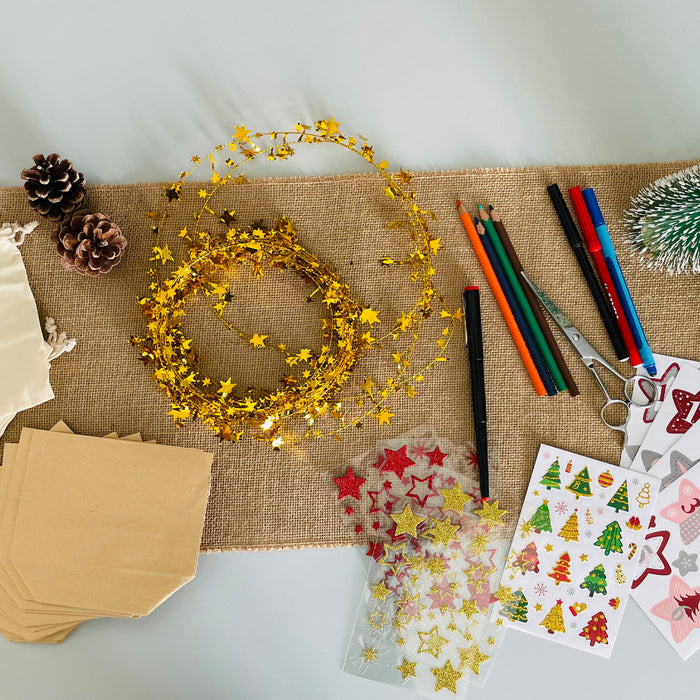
(446, 677)
(407, 668)
(406, 522)
(455, 499)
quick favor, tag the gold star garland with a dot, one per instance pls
(314, 398)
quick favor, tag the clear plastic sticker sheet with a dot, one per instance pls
(424, 620)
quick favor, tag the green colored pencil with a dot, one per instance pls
(522, 301)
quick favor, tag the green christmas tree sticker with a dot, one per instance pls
(610, 539)
(581, 485)
(619, 500)
(540, 521)
(551, 478)
(596, 581)
(516, 607)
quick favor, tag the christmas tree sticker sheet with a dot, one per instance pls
(667, 582)
(424, 621)
(678, 412)
(641, 417)
(575, 549)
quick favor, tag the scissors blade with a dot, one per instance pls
(552, 309)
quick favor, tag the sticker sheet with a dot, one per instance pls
(667, 582)
(576, 548)
(680, 409)
(640, 419)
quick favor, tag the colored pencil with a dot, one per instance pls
(537, 358)
(596, 251)
(475, 350)
(501, 300)
(576, 242)
(534, 305)
(521, 301)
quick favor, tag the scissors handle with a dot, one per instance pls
(622, 425)
(646, 388)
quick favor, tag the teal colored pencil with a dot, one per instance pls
(534, 327)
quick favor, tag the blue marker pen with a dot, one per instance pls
(619, 281)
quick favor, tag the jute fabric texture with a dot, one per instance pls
(262, 499)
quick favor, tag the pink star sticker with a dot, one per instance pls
(349, 485)
(436, 457)
(397, 461)
(680, 608)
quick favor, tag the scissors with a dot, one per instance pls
(648, 388)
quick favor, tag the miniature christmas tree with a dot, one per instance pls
(644, 496)
(581, 485)
(596, 582)
(664, 222)
(554, 620)
(619, 500)
(560, 572)
(610, 539)
(540, 520)
(570, 530)
(551, 478)
(596, 630)
(589, 517)
(516, 608)
(527, 559)
(620, 575)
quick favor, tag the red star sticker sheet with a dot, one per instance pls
(576, 548)
(678, 412)
(667, 582)
(425, 618)
(641, 418)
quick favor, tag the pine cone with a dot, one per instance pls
(53, 186)
(89, 243)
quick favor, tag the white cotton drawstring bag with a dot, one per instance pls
(24, 355)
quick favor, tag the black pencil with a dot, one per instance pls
(475, 349)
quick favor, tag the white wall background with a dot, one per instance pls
(130, 90)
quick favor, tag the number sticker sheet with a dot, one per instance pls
(667, 582)
(576, 548)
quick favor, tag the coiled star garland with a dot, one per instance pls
(276, 416)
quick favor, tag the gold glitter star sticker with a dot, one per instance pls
(469, 608)
(442, 531)
(431, 642)
(491, 513)
(377, 620)
(406, 522)
(525, 529)
(584, 557)
(380, 591)
(398, 560)
(446, 677)
(504, 594)
(369, 655)
(538, 607)
(455, 499)
(407, 668)
(472, 658)
(549, 547)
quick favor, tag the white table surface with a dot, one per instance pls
(130, 90)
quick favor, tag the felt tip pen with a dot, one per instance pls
(619, 281)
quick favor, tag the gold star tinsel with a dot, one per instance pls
(309, 400)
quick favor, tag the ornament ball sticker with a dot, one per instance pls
(575, 549)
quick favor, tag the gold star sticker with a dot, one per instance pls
(584, 557)
(469, 608)
(369, 655)
(525, 529)
(369, 316)
(258, 341)
(491, 513)
(503, 594)
(442, 531)
(400, 641)
(548, 547)
(499, 622)
(478, 544)
(398, 560)
(416, 563)
(406, 522)
(454, 499)
(535, 493)
(407, 668)
(226, 387)
(538, 607)
(446, 677)
(377, 620)
(431, 642)
(491, 641)
(384, 416)
(380, 591)
(472, 658)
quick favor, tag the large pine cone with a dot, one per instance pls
(89, 243)
(53, 186)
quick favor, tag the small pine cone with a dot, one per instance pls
(89, 243)
(53, 186)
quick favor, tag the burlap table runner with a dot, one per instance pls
(263, 500)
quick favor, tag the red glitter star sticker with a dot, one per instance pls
(436, 457)
(653, 559)
(397, 461)
(686, 404)
(421, 486)
(349, 485)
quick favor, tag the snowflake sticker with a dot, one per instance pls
(561, 508)
(541, 589)
(588, 534)
(571, 592)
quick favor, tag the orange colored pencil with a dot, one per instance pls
(501, 300)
